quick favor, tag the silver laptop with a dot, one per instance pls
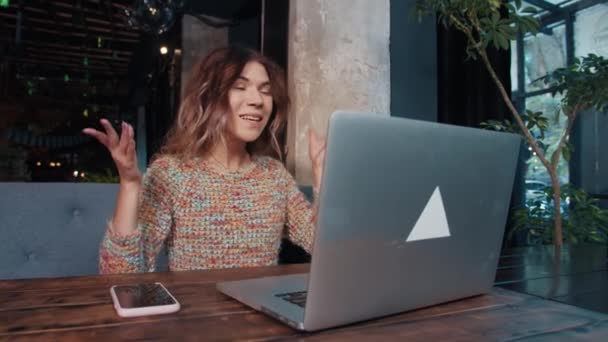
(411, 214)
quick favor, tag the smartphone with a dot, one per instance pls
(143, 299)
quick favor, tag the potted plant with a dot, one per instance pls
(584, 222)
(584, 85)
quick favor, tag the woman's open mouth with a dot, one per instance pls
(251, 117)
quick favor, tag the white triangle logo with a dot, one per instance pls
(432, 223)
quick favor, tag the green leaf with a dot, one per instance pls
(511, 8)
(530, 125)
(566, 153)
(496, 43)
(529, 10)
(504, 43)
(534, 25)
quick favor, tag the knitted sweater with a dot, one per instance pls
(210, 218)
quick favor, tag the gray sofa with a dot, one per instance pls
(54, 229)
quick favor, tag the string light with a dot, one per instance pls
(30, 88)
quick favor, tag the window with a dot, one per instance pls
(569, 28)
(550, 106)
(591, 31)
(543, 53)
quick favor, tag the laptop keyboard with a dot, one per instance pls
(297, 298)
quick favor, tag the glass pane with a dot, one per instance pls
(561, 2)
(550, 106)
(514, 64)
(544, 53)
(540, 12)
(591, 31)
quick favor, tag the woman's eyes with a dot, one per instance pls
(264, 90)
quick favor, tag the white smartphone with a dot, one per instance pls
(143, 299)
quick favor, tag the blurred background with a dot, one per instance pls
(67, 63)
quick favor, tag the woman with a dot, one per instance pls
(212, 195)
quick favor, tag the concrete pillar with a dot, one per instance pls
(198, 40)
(338, 58)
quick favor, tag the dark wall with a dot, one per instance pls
(413, 57)
(246, 33)
(589, 168)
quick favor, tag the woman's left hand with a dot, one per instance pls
(316, 152)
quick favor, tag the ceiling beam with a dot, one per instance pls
(568, 9)
(92, 57)
(69, 42)
(544, 5)
(33, 61)
(105, 105)
(69, 25)
(75, 78)
(102, 102)
(65, 47)
(70, 33)
(113, 16)
(92, 63)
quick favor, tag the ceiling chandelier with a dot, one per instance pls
(154, 16)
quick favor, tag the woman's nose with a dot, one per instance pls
(254, 97)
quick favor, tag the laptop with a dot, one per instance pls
(411, 214)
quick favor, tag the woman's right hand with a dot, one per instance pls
(121, 148)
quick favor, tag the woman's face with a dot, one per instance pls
(250, 102)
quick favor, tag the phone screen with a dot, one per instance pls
(142, 295)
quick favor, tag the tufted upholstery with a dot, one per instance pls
(54, 229)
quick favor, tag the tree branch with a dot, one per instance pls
(516, 116)
(566, 135)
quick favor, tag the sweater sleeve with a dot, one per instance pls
(137, 252)
(300, 215)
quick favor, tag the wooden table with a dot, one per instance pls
(65, 309)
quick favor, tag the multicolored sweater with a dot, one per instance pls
(210, 218)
